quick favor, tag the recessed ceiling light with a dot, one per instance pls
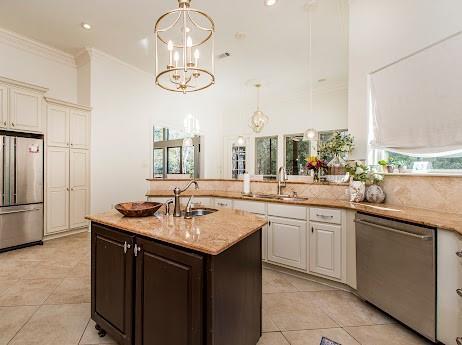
(86, 26)
(270, 2)
(240, 36)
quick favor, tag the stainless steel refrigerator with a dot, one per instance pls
(21, 190)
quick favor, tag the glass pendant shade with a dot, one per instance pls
(310, 134)
(185, 58)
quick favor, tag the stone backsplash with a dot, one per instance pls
(428, 192)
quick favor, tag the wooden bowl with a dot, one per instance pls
(138, 209)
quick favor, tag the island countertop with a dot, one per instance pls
(211, 234)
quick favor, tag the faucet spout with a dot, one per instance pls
(177, 192)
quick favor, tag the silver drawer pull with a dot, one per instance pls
(126, 247)
(459, 253)
(221, 204)
(401, 232)
(459, 340)
(324, 216)
(459, 292)
(19, 211)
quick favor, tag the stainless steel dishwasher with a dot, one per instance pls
(396, 270)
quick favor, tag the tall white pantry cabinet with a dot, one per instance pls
(67, 165)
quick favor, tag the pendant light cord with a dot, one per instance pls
(310, 59)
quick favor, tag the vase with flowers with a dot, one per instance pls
(358, 171)
(335, 150)
(317, 166)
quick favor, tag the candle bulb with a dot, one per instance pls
(189, 45)
(176, 57)
(196, 57)
(170, 51)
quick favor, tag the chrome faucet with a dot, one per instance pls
(177, 191)
(282, 178)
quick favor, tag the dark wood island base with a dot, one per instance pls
(150, 292)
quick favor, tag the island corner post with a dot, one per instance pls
(150, 292)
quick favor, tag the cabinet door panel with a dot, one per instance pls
(112, 276)
(287, 242)
(57, 189)
(325, 249)
(25, 110)
(3, 106)
(79, 129)
(179, 291)
(57, 126)
(79, 185)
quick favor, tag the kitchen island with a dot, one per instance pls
(170, 280)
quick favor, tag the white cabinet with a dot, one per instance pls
(79, 187)
(21, 106)
(57, 126)
(325, 249)
(68, 166)
(57, 190)
(264, 243)
(79, 122)
(3, 106)
(287, 242)
(25, 110)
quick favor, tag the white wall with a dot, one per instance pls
(126, 104)
(381, 32)
(29, 61)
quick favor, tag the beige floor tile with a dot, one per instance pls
(90, 336)
(274, 281)
(386, 335)
(307, 285)
(82, 269)
(29, 292)
(294, 311)
(71, 290)
(48, 269)
(54, 325)
(11, 268)
(313, 337)
(6, 284)
(267, 323)
(347, 309)
(272, 339)
(12, 319)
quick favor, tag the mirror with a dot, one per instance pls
(298, 51)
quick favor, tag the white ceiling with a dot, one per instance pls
(275, 49)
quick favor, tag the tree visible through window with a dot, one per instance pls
(453, 162)
(266, 155)
(296, 151)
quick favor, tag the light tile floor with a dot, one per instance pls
(45, 300)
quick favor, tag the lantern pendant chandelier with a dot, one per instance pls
(259, 119)
(185, 59)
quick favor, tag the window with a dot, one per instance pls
(296, 151)
(266, 155)
(170, 157)
(435, 164)
(238, 161)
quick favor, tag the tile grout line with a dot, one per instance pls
(351, 335)
(25, 323)
(84, 329)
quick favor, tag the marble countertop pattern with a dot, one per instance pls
(211, 234)
(439, 219)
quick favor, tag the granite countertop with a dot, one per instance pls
(439, 219)
(211, 234)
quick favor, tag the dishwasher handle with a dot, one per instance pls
(401, 232)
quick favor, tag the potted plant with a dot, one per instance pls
(316, 165)
(383, 164)
(358, 176)
(336, 149)
(388, 165)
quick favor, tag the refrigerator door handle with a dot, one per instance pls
(19, 211)
(2, 160)
(13, 172)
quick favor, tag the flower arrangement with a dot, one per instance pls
(317, 165)
(359, 171)
(339, 146)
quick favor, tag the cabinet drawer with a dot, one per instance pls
(326, 215)
(223, 202)
(287, 211)
(250, 206)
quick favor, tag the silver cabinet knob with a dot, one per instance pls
(459, 340)
(12, 124)
(126, 247)
(4, 123)
(459, 253)
(459, 292)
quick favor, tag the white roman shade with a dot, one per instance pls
(416, 103)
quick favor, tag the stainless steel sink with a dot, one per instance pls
(199, 212)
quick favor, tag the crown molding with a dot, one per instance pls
(22, 84)
(95, 53)
(67, 104)
(29, 45)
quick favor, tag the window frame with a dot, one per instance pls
(277, 153)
